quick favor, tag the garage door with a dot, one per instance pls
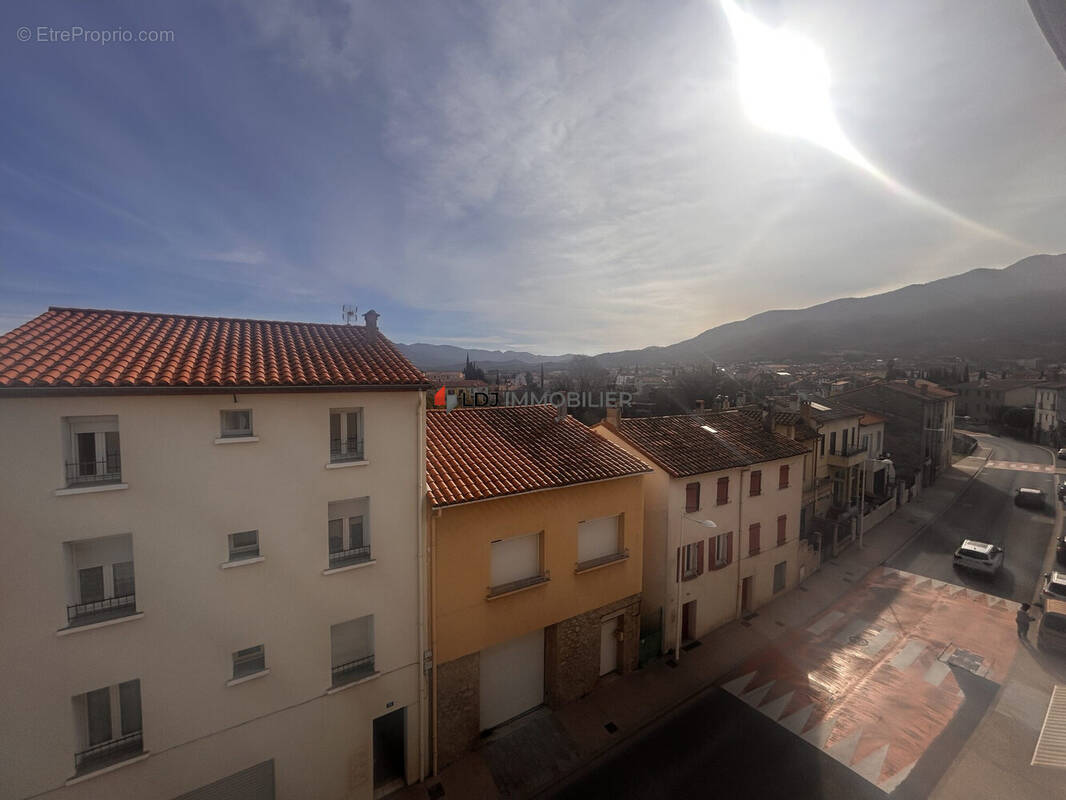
(512, 678)
(254, 783)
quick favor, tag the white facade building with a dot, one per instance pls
(212, 583)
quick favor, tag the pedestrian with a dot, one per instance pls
(1023, 619)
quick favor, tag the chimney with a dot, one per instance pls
(699, 405)
(614, 417)
(805, 410)
(371, 319)
(768, 417)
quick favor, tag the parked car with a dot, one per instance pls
(1062, 491)
(978, 556)
(1062, 452)
(1055, 585)
(1060, 550)
(1029, 498)
(1052, 632)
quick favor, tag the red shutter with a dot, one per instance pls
(692, 497)
(699, 557)
(782, 524)
(679, 565)
(723, 491)
(784, 477)
(729, 548)
(753, 538)
(756, 483)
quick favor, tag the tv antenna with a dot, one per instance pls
(348, 313)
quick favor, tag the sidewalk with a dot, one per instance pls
(535, 752)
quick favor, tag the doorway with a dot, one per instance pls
(688, 621)
(390, 751)
(609, 645)
(745, 594)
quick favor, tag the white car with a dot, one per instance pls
(1055, 585)
(978, 556)
(1062, 452)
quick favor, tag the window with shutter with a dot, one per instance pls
(98, 707)
(756, 483)
(782, 526)
(691, 561)
(754, 531)
(349, 532)
(599, 540)
(692, 497)
(783, 478)
(129, 698)
(723, 491)
(345, 434)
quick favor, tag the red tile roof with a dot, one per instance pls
(682, 445)
(72, 347)
(480, 453)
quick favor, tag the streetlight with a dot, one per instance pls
(706, 523)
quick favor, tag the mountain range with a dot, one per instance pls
(1014, 312)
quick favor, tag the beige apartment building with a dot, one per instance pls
(212, 541)
(722, 517)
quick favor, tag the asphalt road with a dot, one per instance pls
(717, 746)
(986, 512)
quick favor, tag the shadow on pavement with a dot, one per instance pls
(978, 695)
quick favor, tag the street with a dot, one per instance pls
(986, 512)
(878, 694)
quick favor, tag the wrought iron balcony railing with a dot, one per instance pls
(353, 555)
(353, 670)
(110, 752)
(109, 470)
(98, 610)
(350, 449)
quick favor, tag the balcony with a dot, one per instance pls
(341, 450)
(847, 457)
(354, 555)
(352, 671)
(88, 473)
(108, 753)
(101, 610)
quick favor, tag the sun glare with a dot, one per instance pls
(784, 85)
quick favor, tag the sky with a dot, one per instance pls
(547, 176)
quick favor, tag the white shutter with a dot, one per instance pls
(597, 538)
(515, 559)
(352, 640)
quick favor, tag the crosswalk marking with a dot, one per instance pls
(1020, 466)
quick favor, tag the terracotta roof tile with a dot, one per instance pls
(682, 445)
(70, 347)
(480, 453)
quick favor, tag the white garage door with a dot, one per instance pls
(512, 678)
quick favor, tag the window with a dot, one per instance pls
(782, 477)
(833, 443)
(249, 661)
(243, 545)
(754, 532)
(691, 561)
(236, 423)
(779, 576)
(692, 497)
(109, 726)
(723, 491)
(515, 562)
(352, 650)
(93, 454)
(599, 540)
(102, 585)
(345, 435)
(349, 532)
(721, 550)
(755, 487)
(782, 528)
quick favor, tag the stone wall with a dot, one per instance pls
(572, 650)
(458, 707)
